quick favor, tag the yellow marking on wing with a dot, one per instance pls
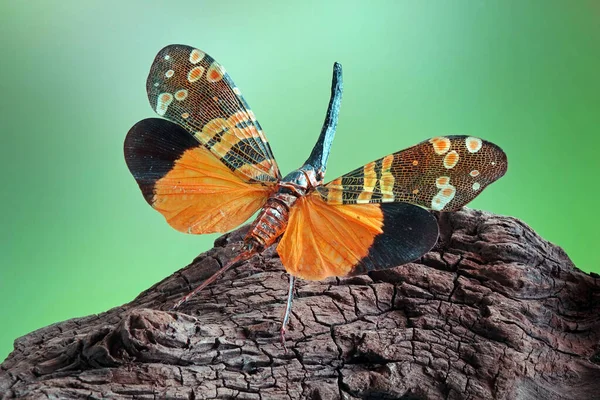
(215, 73)
(221, 148)
(451, 159)
(195, 74)
(239, 117)
(250, 169)
(335, 191)
(448, 191)
(211, 129)
(442, 181)
(196, 56)
(370, 180)
(386, 183)
(181, 94)
(226, 135)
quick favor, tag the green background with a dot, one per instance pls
(77, 236)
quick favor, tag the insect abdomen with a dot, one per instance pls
(272, 221)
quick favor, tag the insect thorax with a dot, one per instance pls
(273, 218)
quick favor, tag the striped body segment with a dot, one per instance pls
(442, 174)
(189, 88)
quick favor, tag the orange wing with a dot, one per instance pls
(324, 240)
(186, 183)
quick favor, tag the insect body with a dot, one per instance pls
(207, 167)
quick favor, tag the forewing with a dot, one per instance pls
(324, 240)
(443, 173)
(190, 88)
(187, 184)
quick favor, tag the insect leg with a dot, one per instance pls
(288, 311)
(241, 257)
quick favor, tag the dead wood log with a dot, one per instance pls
(494, 311)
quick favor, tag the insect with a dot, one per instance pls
(206, 166)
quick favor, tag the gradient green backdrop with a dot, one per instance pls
(77, 236)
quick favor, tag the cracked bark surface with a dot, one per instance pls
(493, 311)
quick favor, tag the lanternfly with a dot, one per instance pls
(208, 167)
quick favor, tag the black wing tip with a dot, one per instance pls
(409, 232)
(137, 134)
(151, 148)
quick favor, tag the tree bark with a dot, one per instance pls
(493, 311)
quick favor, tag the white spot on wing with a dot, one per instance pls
(437, 203)
(441, 145)
(162, 103)
(445, 195)
(181, 95)
(442, 181)
(473, 144)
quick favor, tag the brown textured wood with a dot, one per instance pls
(494, 311)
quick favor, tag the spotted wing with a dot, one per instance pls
(324, 239)
(443, 173)
(186, 183)
(190, 88)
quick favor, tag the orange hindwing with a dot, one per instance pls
(186, 183)
(324, 240)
